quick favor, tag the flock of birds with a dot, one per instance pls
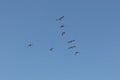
(62, 34)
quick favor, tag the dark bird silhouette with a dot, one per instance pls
(71, 47)
(63, 33)
(62, 26)
(71, 41)
(51, 49)
(59, 19)
(30, 45)
(76, 53)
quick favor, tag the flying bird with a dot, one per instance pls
(62, 26)
(71, 47)
(30, 45)
(51, 49)
(59, 19)
(71, 41)
(76, 53)
(63, 33)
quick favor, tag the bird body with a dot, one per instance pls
(29, 45)
(62, 26)
(71, 41)
(59, 19)
(51, 49)
(76, 53)
(63, 33)
(71, 47)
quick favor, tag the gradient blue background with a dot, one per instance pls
(94, 24)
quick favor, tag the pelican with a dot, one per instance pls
(71, 47)
(76, 53)
(59, 19)
(63, 33)
(71, 41)
(30, 45)
(62, 26)
(51, 49)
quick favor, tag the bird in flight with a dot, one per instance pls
(63, 33)
(59, 19)
(62, 26)
(76, 53)
(30, 45)
(51, 49)
(71, 47)
(71, 41)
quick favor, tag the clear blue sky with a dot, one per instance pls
(94, 24)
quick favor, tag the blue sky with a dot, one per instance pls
(94, 24)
